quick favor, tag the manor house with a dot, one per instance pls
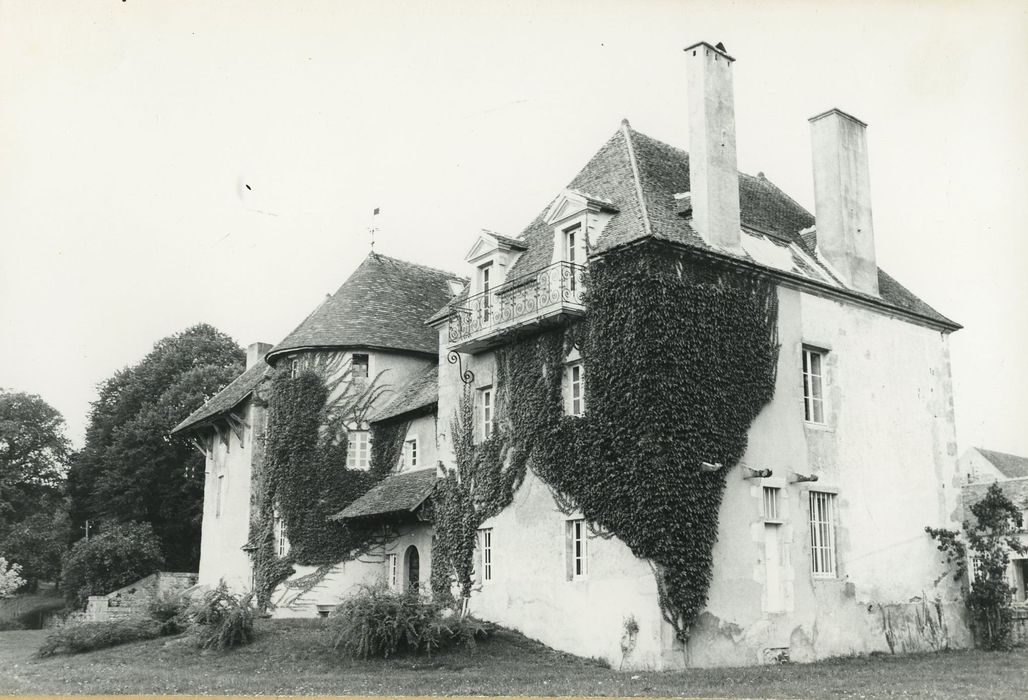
(819, 546)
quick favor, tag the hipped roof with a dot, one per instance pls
(398, 493)
(640, 176)
(382, 305)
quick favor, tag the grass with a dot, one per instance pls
(295, 657)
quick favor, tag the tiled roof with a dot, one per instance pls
(1011, 466)
(228, 398)
(399, 493)
(383, 304)
(419, 392)
(647, 207)
(512, 242)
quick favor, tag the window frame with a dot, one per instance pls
(410, 452)
(393, 571)
(577, 549)
(366, 364)
(358, 441)
(771, 504)
(486, 548)
(572, 385)
(822, 519)
(487, 401)
(813, 399)
(280, 534)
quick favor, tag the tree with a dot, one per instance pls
(10, 578)
(130, 468)
(38, 543)
(121, 554)
(984, 551)
(34, 453)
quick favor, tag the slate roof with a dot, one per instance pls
(398, 493)
(1011, 466)
(640, 176)
(420, 392)
(383, 304)
(228, 398)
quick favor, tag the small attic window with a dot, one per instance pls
(359, 364)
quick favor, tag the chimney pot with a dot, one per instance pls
(255, 352)
(713, 172)
(842, 198)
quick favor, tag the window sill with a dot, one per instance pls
(822, 427)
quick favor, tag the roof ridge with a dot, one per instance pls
(997, 452)
(440, 271)
(626, 130)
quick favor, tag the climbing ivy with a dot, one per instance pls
(303, 476)
(679, 357)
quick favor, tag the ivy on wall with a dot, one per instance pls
(680, 357)
(302, 474)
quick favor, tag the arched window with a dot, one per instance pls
(412, 568)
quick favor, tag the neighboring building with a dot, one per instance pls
(979, 465)
(981, 469)
(826, 556)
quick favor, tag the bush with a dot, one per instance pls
(120, 554)
(8, 624)
(78, 637)
(222, 620)
(171, 612)
(378, 622)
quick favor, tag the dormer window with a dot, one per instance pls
(484, 284)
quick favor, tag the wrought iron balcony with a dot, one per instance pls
(525, 301)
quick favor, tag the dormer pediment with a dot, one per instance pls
(489, 243)
(571, 203)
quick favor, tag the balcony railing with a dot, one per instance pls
(530, 299)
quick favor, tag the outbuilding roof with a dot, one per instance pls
(383, 304)
(238, 390)
(398, 493)
(420, 392)
(1011, 466)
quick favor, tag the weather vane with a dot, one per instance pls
(374, 228)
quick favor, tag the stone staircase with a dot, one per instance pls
(134, 600)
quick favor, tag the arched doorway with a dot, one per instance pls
(412, 564)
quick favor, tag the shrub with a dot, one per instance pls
(379, 622)
(222, 620)
(78, 637)
(170, 612)
(10, 578)
(8, 624)
(120, 554)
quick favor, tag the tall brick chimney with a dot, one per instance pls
(842, 198)
(713, 172)
(255, 352)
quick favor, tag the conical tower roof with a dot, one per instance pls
(384, 304)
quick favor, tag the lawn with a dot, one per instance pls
(293, 657)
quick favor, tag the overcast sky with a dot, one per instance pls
(128, 131)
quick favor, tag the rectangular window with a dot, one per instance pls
(577, 549)
(822, 534)
(576, 389)
(487, 553)
(281, 538)
(487, 412)
(771, 503)
(220, 495)
(571, 243)
(813, 386)
(359, 364)
(294, 368)
(392, 572)
(410, 452)
(484, 273)
(357, 449)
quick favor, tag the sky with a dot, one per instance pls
(129, 132)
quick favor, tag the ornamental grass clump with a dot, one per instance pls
(221, 620)
(79, 637)
(376, 622)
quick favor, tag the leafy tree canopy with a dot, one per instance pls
(130, 468)
(34, 453)
(121, 554)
